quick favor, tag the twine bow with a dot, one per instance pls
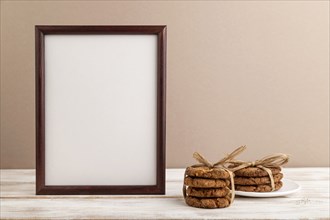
(221, 163)
(274, 160)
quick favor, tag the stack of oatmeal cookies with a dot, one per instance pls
(206, 187)
(255, 179)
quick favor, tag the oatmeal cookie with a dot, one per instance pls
(209, 192)
(258, 188)
(205, 172)
(209, 203)
(256, 171)
(257, 180)
(205, 183)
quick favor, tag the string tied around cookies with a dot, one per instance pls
(221, 164)
(271, 161)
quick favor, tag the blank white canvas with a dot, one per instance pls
(100, 109)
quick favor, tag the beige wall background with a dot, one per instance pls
(252, 73)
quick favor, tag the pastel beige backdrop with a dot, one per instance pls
(239, 72)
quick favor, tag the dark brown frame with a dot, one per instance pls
(41, 188)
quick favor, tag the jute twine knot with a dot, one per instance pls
(221, 164)
(274, 160)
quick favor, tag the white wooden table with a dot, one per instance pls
(18, 201)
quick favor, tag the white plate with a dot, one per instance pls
(288, 187)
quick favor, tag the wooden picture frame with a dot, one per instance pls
(100, 109)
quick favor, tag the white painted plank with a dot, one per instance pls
(306, 173)
(150, 208)
(18, 201)
(173, 189)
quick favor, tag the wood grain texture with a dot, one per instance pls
(18, 201)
